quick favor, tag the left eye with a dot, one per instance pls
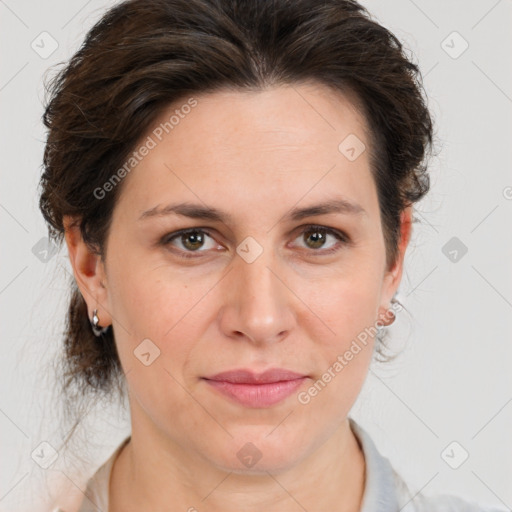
(192, 240)
(319, 234)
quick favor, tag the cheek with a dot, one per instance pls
(342, 331)
(343, 351)
(348, 345)
(158, 316)
(153, 302)
(343, 305)
(163, 314)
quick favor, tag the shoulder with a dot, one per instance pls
(386, 490)
(411, 502)
(446, 503)
(96, 495)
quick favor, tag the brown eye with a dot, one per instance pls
(196, 239)
(317, 237)
(191, 241)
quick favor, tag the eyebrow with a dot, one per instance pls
(198, 211)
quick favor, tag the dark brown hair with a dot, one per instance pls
(143, 55)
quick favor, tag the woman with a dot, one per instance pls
(234, 181)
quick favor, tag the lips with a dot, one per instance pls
(243, 376)
(257, 390)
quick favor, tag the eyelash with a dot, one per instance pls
(339, 235)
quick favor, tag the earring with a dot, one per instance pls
(389, 312)
(393, 319)
(96, 329)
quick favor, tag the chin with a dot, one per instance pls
(255, 452)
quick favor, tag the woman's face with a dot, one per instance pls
(259, 289)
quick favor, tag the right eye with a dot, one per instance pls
(191, 241)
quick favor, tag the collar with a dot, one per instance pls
(380, 480)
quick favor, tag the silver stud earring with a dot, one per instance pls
(96, 329)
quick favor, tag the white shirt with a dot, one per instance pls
(385, 490)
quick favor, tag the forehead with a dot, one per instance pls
(276, 144)
(301, 115)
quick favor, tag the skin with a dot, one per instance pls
(255, 155)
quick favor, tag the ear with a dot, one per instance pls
(393, 276)
(89, 272)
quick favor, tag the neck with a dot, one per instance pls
(153, 473)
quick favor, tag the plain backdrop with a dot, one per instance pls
(441, 412)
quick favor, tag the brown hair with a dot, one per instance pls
(143, 55)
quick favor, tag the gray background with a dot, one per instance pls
(453, 380)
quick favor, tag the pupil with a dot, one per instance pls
(317, 238)
(194, 236)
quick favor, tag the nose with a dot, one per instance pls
(258, 304)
